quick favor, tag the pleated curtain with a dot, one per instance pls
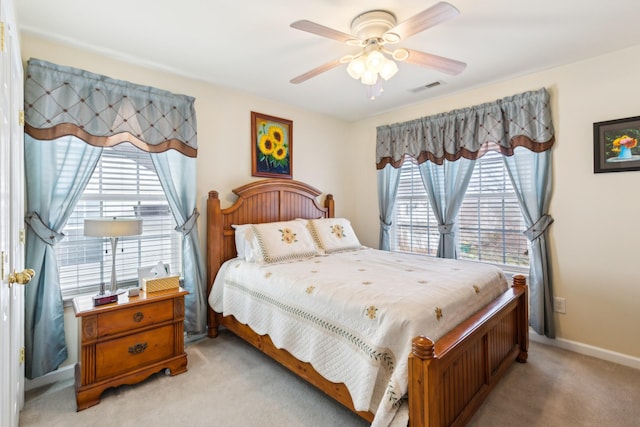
(388, 181)
(446, 185)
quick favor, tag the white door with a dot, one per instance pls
(11, 221)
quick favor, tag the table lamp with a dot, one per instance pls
(112, 228)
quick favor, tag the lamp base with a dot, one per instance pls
(103, 299)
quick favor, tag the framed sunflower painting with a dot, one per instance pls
(271, 146)
(616, 146)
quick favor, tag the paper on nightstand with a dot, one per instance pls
(160, 270)
(150, 272)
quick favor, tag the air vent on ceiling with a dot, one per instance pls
(427, 86)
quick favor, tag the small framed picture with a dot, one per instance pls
(615, 145)
(271, 146)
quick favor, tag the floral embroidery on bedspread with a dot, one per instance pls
(371, 312)
(394, 397)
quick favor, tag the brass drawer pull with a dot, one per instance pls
(138, 317)
(138, 348)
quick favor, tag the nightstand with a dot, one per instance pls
(125, 342)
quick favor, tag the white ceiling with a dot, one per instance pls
(249, 45)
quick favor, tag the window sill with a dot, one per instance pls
(67, 301)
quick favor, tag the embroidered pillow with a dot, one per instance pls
(280, 241)
(333, 234)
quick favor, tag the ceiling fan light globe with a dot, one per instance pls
(369, 77)
(356, 68)
(389, 69)
(375, 61)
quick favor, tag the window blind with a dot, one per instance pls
(415, 228)
(490, 222)
(124, 184)
(490, 219)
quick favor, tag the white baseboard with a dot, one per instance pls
(60, 374)
(586, 349)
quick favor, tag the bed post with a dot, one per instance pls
(214, 254)
(329, 204)
(520, 282)
(422, 353)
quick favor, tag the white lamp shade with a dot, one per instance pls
(389, 69)
(112, 227)
(369, 77)
(356, 67)
(375, 61)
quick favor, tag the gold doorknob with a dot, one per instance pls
(21, 278)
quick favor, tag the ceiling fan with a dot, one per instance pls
(372, 32)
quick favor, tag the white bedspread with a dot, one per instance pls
(352, 315)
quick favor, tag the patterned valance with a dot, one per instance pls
(102, 111)
(519, 120)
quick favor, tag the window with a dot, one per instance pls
(124, 184)
(490, 219)
(490, 222)
(415, 228)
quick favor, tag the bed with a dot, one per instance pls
(448, 377)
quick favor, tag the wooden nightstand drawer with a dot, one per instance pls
(127, 353)
(128, 319)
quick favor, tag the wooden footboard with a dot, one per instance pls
(448, 379)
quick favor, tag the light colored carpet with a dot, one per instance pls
(230, 384)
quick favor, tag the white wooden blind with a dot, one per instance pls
(124, 184)
(490, 218)
(415, 228)
(490, 222)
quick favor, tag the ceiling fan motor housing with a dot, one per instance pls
(372, 24)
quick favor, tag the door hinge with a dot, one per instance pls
(22, 236)
(21, 355)
(21, 118)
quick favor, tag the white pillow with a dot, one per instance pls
(243, 235)
(279, 242)
(333, 234)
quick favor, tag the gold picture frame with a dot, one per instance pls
(271, 146)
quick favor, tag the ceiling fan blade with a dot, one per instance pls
(428, 18)
(321, 30)
(318, 70)
(440, 63)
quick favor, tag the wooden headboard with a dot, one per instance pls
(268, 200)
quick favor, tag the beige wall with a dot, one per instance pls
(592, 241)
